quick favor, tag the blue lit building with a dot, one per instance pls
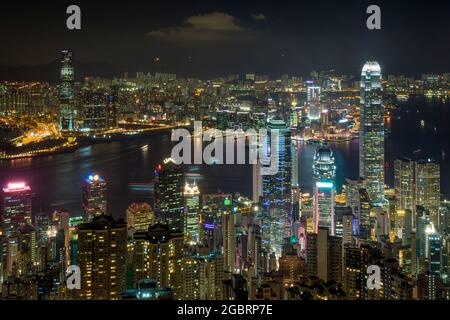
(324, 173)
(276, 206)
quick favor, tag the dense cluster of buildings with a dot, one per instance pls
(278, 243)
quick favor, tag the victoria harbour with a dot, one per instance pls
(124, 163)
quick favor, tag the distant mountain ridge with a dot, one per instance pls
(50, 72)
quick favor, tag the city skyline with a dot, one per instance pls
(225, 151)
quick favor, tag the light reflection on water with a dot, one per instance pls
(57, 179)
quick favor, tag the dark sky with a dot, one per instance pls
(212, 38)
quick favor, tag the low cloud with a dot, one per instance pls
(259, 16)
(203, 27)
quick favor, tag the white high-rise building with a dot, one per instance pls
(371, 140)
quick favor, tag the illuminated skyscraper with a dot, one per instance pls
(324, 189)
(276, 204)
(404, 184)
(192, 213)
(203, 274)
(94, 196)
(67, 92)
(169, 202)
(356, 262)
(15, 207)
(140, 216)
(433, 249)
(229, 240)
(157, 254)
(371, 140)
(313, 96)
(102, 253)
(428, 188)
(99, 110)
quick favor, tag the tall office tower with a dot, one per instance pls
(68, 113)
(94, 196)
(15, 207)
(371, 139)
(324, 173)
(352, 187)
(169, 203)
(311, 254)
(208, 228)
(256, 182)
(60, 219)
(346, 225)
(191, 214)
(296, 204)
(313, 96)
(276, 204)
(428, 187)
(74, 222)
(404, 184)
(294, 150)
(140, 216)
(356, 262)
(157, 254)
(444, 217)
(94, 107)
(254, 249)
(364, 208)
(102, 253)
(422, 222)
(433, 249)
(229, 240)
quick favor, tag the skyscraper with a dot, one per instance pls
(102, 252)
(229, 240)
(428, 189)
(192, 213)
(324, 173)
(15, 207)
(169, 202)
(98, 108)
(313, 96)
(371, 139)
(140, 216)
(157, 254)
(67, 92)
(404, 184)
(433, 249)
(277, 187)
(94, 196)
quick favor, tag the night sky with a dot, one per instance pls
(214, 38)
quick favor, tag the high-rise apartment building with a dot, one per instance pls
(102, 252)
